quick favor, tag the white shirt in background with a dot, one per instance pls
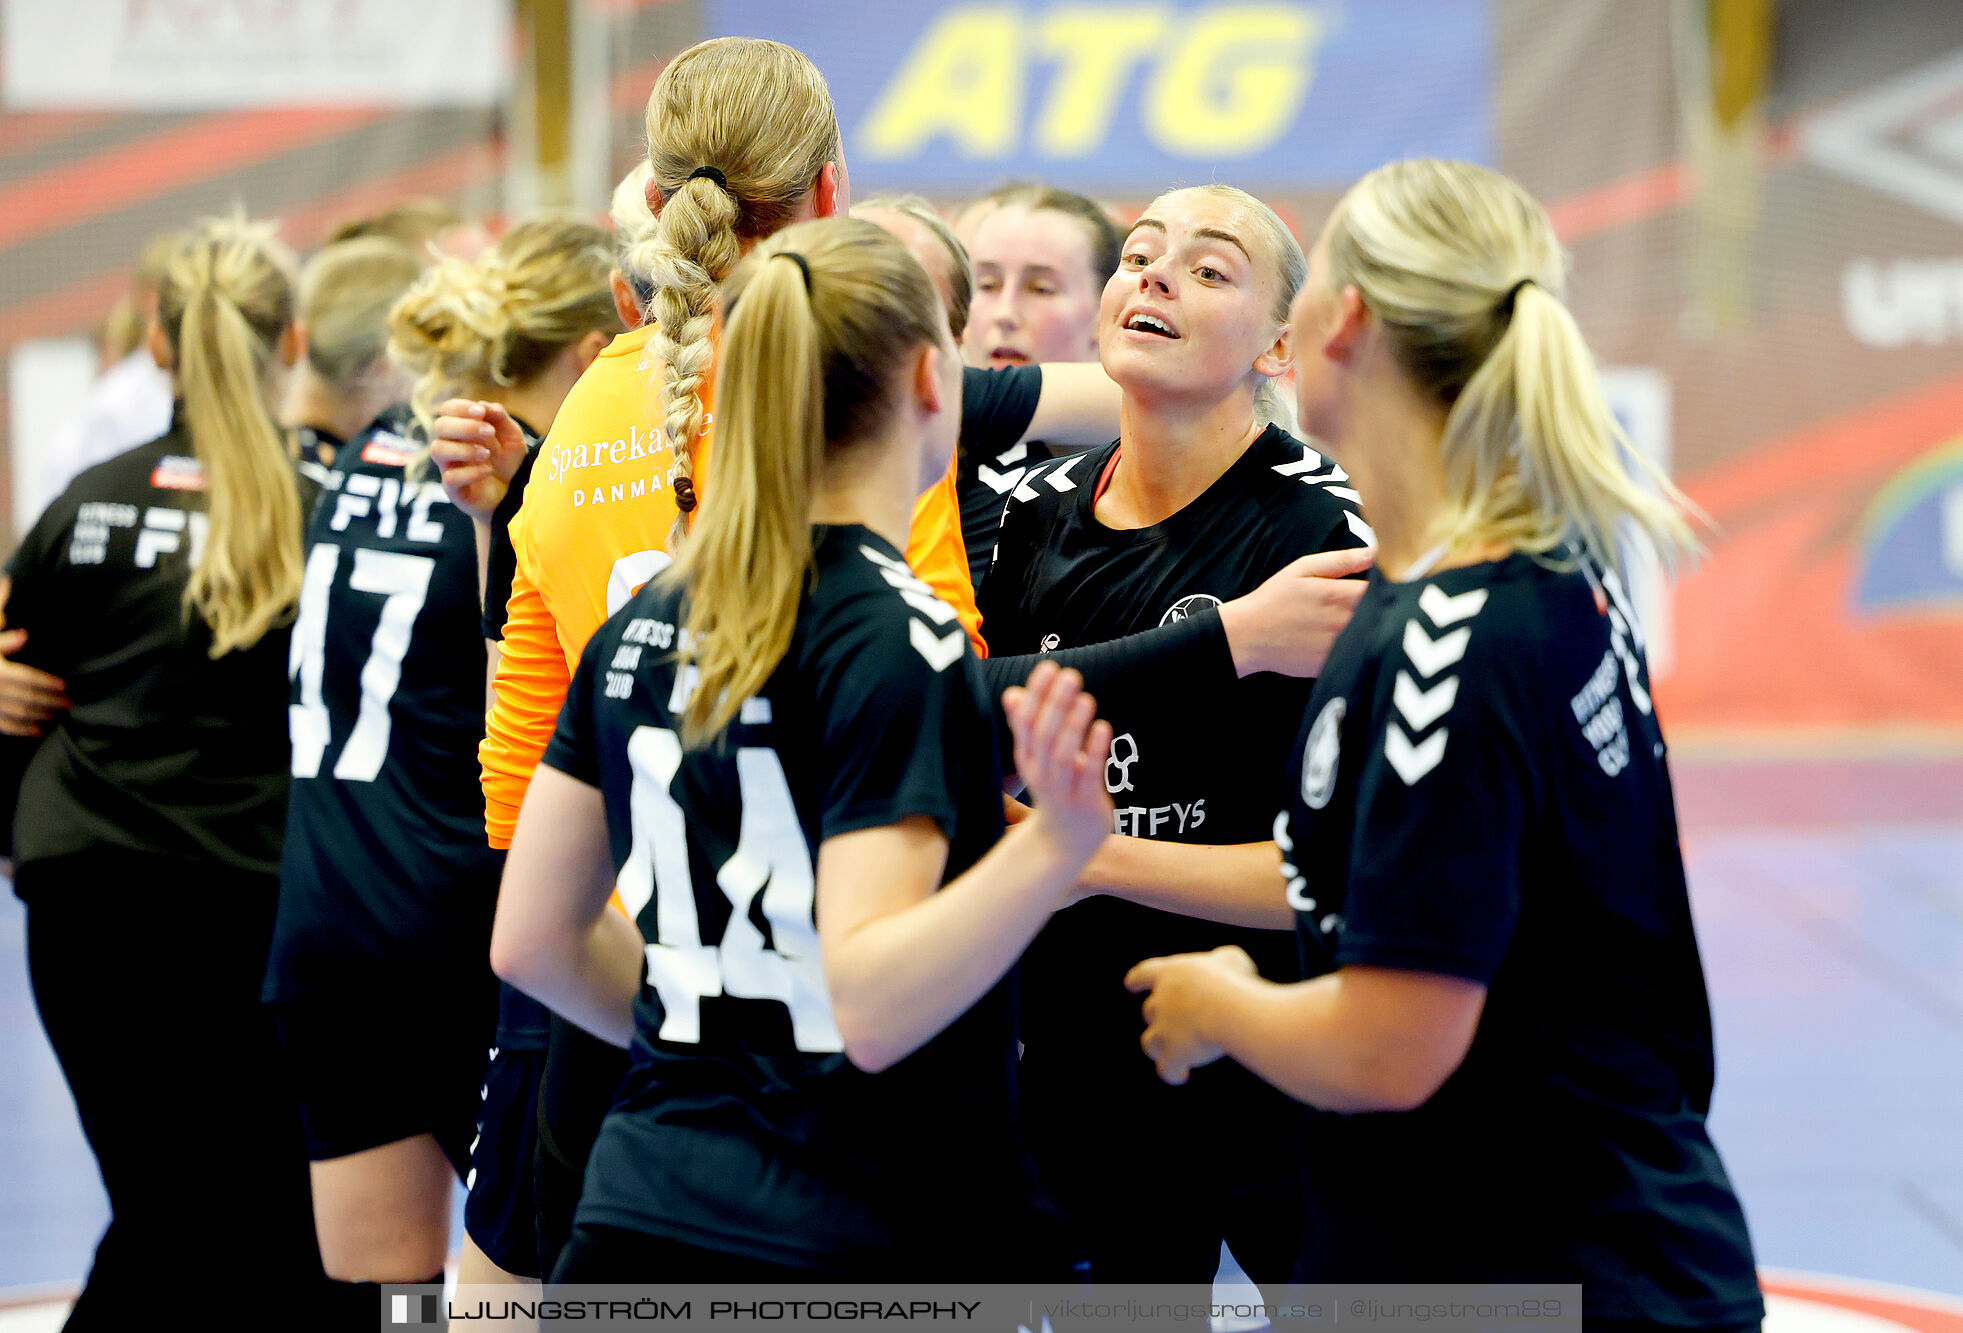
(129, 405)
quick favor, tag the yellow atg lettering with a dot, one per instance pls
(1096, 51)
(963, 81)
(1230, 85)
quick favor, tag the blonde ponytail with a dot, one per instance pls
(821, 316)
(738, 130)
(225, 300)
(1462, 267)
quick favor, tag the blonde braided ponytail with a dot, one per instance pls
(738, 131)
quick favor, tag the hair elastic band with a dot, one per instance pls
(802, 266)
(1506, 302)
(722, 182)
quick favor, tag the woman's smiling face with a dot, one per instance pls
(1191, 308)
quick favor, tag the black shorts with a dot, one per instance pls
(379, 1068)
(501, 1214)
(597, 1253)
(582, 1076)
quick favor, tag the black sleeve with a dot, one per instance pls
(34, 601)
(900, 729)
(997, 407)
(573, 749)
(28, 606)
(15, 752)
(1123, 674)
(1132, 672)
(502, 563)
(1434, 876)
(312, 488)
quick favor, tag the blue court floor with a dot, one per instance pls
(1829, 897)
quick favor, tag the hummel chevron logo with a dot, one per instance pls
(923, 600)
(1012, 455)
(1343, 493)
(1632, 670)
(999, 482)
(1366, 533)
(1308, 462)
(1023, 493)
(1059, 476)
(915, 593)
(942, 652)
(1413, 761)
(1431, 656)
(1445, 610)
(1421, 708)
(1613, 584)
(886, 561)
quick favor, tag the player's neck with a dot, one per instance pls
(313, 402)
(535, 404)
(875, 485)
(1393, 459)
(1172, 453)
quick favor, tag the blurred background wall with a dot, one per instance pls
(1764, 202)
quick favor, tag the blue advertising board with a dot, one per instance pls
(1134, 98)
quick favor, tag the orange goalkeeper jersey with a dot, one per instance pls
(594, 527)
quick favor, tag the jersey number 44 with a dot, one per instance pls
(771, 859)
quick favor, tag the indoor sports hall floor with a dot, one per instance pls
(1829, 897)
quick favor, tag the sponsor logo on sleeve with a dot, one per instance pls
(387, 450)
(174, 472)
(1186, 606)
(1320, 756)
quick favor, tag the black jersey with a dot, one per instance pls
(523, 1023)
(386, 870)
(1185, 767)
(996, 409)
(501, 562)
(167, 751)
(316, 448)
(1481, 792)
(741, 1125)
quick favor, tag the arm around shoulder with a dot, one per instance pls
(1079, 405)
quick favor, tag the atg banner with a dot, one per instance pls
(1116, 97)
